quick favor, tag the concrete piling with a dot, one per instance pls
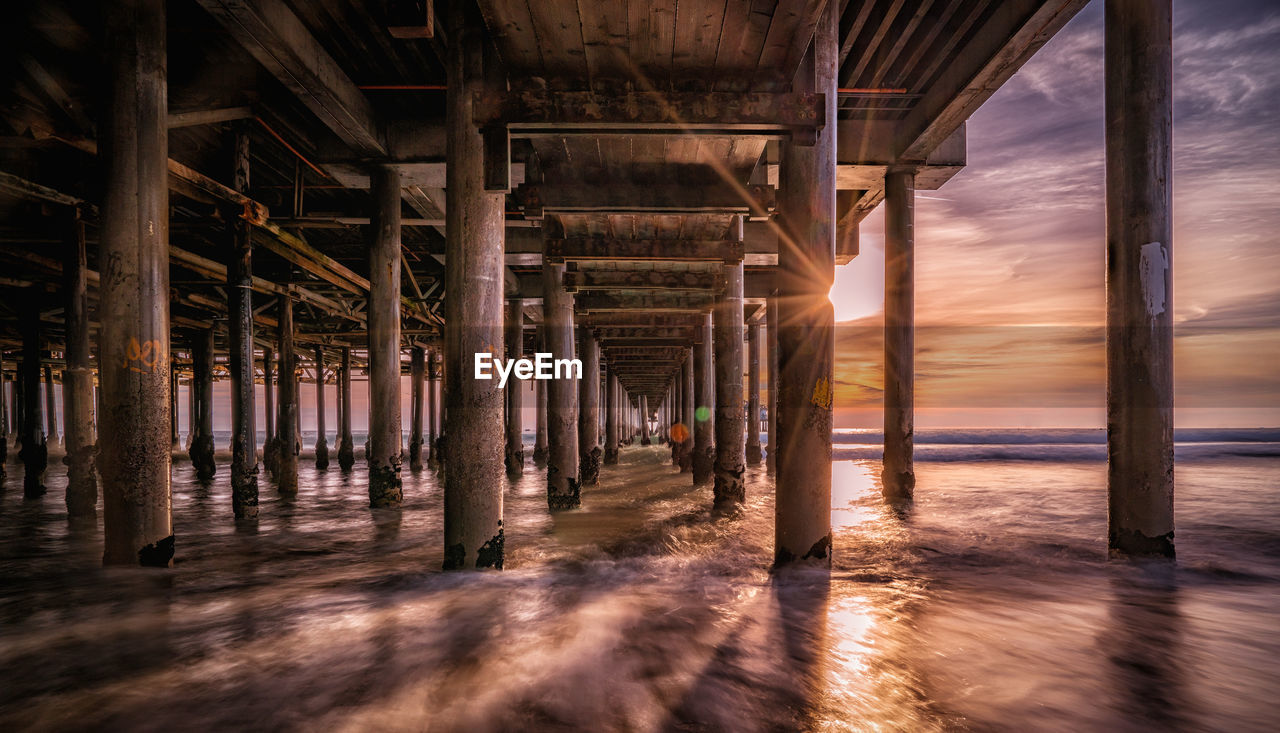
(899, 335)
(645, 417)
(588, 410)
(202, 417)
(754, 454)
(77, 379)
(563, 490)
(346, 443)
(417, 378)
(806, 332)
(704, 452)
(35, 452)
(513, 456)
(727, 334)
(473, 533)
(611, 420)
(287, 421)
(271, 444)
(322, 438)
(133, 347)
(244, 427)
(51, 436)
(384, 340)
(1139, 180)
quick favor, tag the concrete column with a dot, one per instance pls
(727, 335)
(77, 379)
(50, 401)
(287, 455)
(322, 437)
(771, 451)
(563, 490)
(588, 410)
(1139, 175)
(346, 443)
(689, 420)
(175, 439)
(202, 417)
(644, 420)
(417, 378)
(383, 233)
(704, 451)
(4, 422)
(270, 444)
(514, 456)
(540, 411)
(473, 534)
(133, 347)
(754, 454)
(899, 477)
(244, 427)
(35, 452)
(193, 410)
(611, 420)
(433, 406)
(806, 336)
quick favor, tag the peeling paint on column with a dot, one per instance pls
(1154, 269)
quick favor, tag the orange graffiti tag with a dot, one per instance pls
(143, 356)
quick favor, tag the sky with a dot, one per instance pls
(1009, 253)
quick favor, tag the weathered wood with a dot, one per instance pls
(611, 418)
(1139, 179)
(286, 469)
(198, 117)
(202, 450)
(273, 35)
(346, 443)
(35, 452)
(730, 463)
(754, 454)
(707, 250)
(417, 377)
(322, 438)
(899, 336)
(514, 337)
(704, 455)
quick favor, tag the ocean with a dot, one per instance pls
(989, 604)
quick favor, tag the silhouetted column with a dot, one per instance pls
(729, 491)
(244, 424)
(771, 451)
(417, 377)
(514, 455)
(77, 379)
(806, 333)
(540, 418)
(346, 443)
(202, 418)
(271, 443)
(689, 408)
(50, 407)
(611, 419)
(704, 450)
(35, 452)
(5, 418)
(1139, 173)
(384, 444)
(476, 222)
(754, 454)
(644, 420)
(563, 491)
(175, 439)
(287, 456)
(192, 410)
(899, 334)
(588, 410)
(322, 437)
(133, 308)
(433, 406)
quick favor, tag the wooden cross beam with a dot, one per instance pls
(666, 280)
(602, 248)
(652, 303)
(620, 197)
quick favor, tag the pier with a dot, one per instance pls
(286, 195)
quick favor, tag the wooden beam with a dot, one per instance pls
(273, 35)
(618, 333)
(603, 248)
(197, 117)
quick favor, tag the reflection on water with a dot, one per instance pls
(989, 606)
